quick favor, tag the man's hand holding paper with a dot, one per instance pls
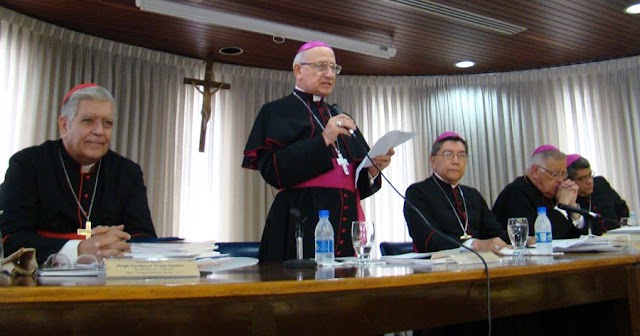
(382, 151)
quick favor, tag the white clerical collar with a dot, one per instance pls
(441, 179)
(315, 97)
(87, 168)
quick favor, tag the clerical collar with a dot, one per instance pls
(315, 97)
(443, 181)
(87, 168)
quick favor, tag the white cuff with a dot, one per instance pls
(563, 212)
(372, 179)
(70, 249)
(578, 223)
(469, 242)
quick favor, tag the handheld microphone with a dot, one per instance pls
(583, 212)
(300, 262)
(338, 110)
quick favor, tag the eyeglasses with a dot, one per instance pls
(586, 177)
(61, 261)
(555, 174)
(448, 155)
(324, 67)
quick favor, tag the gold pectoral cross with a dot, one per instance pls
(86, 232)
(466, 236)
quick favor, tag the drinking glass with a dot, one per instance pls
(363, 236)
(518, 229)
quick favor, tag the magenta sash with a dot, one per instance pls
(336, 178)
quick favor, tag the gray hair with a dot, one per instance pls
(300, 58)
(542, 157)
(579, 164)
(94, 93)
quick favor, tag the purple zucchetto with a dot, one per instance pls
(448, 134)
(311, 45)
(544, 148)
(572, 158)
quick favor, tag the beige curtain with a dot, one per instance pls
(40, 62)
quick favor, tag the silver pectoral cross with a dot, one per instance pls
(344, 163)
(466, 236)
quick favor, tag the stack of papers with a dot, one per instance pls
(591, 244)
(411, 258)
(173, 250)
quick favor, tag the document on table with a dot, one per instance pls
(591, 244)
(389, 140)
(177, 249)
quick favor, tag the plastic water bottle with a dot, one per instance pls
(324, 239)
(543, 232)
(633, 220)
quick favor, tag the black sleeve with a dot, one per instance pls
(425, 239)
(18, 223)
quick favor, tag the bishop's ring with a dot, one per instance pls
(339, 123)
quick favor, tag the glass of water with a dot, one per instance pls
(363, 234)
(518, 229)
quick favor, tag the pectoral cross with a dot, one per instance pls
(86, 232)
(209, 87)
(466, 236)
(344, 163)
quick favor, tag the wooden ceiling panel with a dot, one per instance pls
(558, 32)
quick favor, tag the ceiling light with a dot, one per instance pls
(213, 17)
(462, 16)
(465, 64)
(633, 9)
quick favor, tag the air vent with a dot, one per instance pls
(464, 17)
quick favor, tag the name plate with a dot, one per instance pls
(141, 268)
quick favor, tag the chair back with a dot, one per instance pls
(393, 248)
(239, 249)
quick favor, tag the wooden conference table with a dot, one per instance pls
(369, 300)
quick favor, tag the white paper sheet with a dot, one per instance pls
(381, 147)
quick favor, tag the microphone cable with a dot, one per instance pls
(484, 262)
(413, 207)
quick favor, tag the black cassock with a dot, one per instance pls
(39, 204)
(287, 147)
(521, 198)
(606, 202)
(434, 206)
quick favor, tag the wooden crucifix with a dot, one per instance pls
(209, 87)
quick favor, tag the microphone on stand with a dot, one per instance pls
(577, 210)
(338, 110)
(583, 212)
(300, 262)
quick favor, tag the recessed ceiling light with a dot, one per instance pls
(465, 64)
(231, 51)
(633, 9)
